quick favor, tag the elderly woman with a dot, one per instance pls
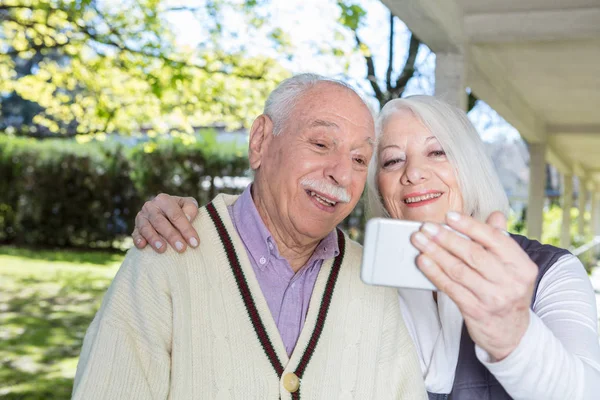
(513, 318)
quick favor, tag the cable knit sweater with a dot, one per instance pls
(196, 326)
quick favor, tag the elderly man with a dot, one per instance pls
(270, 304)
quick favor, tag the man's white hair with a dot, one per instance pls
(480, 186)
(281, 102)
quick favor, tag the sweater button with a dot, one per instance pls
(291, 382)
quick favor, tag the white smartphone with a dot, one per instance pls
(389, 256)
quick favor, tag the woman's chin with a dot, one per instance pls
(423, 214)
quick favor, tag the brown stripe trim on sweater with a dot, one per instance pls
(242, 284)
(322, 316)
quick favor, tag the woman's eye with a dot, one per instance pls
(438, 153)
(389, 163)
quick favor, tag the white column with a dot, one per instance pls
(595, 220)
(581, 201)
(450, 78)
(567, 203)
(596, 213)
(537, 185)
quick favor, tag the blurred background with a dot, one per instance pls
(106, 103)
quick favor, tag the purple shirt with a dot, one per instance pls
(287, 293)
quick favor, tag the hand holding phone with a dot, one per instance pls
(389, 257)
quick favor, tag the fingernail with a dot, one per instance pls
(195, 202)
(421, 238)
(426, 262)
(138, 241)
(179, 246)
(158, 245)
(430, 228)
(505, 233)
(453, 216)
(193, 242)
(188, 217)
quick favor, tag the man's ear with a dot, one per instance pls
(261, 135)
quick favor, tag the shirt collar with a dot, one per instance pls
(251, 227)
(258, 239)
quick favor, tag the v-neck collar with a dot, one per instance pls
(256, 305)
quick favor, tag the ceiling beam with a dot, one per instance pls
(491, 83)
(437, 23)
(579, 129)
(538, 25)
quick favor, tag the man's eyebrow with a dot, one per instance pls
(322, 123)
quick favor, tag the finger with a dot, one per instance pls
(148, 233)
(461, 295)
(470, 253)
(497, 241)
(189, 206)
(452, 266)
(164, 226)
(138, 240)
(178, 224)
(524, 269)
(497, 220)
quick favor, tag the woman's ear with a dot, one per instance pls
(261, 135)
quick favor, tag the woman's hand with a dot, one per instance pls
(167, 217)
(490, 278)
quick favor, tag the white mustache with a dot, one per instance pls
(328, 189)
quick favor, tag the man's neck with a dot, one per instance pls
(296, 250)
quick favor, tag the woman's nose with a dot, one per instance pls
(414, 173)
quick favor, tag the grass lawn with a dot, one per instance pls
(47, 301)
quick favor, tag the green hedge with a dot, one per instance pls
(184, 168)
(60, 193)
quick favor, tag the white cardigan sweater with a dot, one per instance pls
(196, 326)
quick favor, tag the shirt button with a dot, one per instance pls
(262, 260)
(291, 383)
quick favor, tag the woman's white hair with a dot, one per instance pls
(281, 102)
(480, 186)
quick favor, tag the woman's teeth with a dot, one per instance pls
(322, 200)
(422, 198)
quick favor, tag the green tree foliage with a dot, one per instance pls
(90, 66)
(352, 19)
(393, 84)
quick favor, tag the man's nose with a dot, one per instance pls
(340, 171)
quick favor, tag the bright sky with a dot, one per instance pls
(311, 25)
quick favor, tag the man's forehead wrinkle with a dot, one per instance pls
(320, 109)
(324, 123)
